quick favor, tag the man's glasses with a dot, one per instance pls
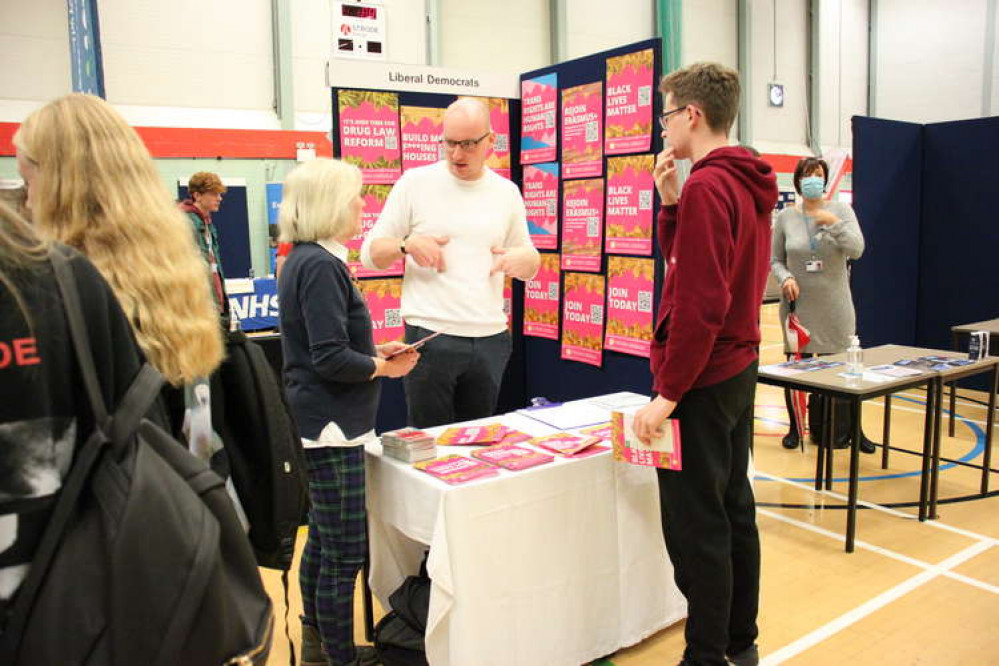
(466, 144)
(665, 117)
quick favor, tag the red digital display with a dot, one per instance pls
(360, 12)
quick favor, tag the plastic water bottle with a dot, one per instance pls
(854, 358)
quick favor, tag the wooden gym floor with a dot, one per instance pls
(912, 593)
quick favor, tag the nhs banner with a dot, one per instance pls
(254, 303)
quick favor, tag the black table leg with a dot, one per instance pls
(851, 515)
(935, 469)
(886, 433)
(830, 440)
(989, 425)
(953, 389)
(924, 476)
(820, 458)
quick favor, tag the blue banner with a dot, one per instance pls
(256, 309)
(273, 193)
(85, 47)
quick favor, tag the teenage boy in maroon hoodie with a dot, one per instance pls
(715, 240)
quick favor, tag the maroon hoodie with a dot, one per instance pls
(716, 244)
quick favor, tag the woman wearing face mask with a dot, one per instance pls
(812, 242)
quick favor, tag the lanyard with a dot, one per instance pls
(813, 242)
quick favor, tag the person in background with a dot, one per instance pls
(715, 239)
(461, 229)
(331, 367)
(205, 191)
(44, 413)
(813, 241)
(93, 186)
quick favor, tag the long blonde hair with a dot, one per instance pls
(98, 191)
(20, 251)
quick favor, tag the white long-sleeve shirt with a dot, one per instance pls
(478, 215)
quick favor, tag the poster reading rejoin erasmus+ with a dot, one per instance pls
(583, 318)
(369, 134)
(582, 131)
(538, 133)
(629, 103)
(421, 135)
(629, 305)
(582, 224)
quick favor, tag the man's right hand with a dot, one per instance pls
(666, 179)
(426, 251)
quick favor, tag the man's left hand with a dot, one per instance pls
(649, 419)
(518, 262)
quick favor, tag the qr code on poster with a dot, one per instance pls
(391, 142)
(553, 291)
(502, 143)
(591, 131)
(645, 301)
(644, 95)
(551, 209)
(596, 314)
(593, 226)
(645, 200)
(393, 318)
(549, 119)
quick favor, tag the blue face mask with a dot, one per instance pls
(813, 187)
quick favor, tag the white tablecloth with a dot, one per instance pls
(558, 564)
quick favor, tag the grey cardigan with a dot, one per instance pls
(825, 304)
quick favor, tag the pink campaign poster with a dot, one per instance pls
(629, 103)
(538, 133)
(508, 301)
(582, 135)
(383, 298)
(374, 200)
(541, 300)
(369, 134)
(629, 305)
(499, 117)
(583, 318)
(582, 224)
(541, 201)
(421, 135)
(629, 205)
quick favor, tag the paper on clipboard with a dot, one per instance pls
(569, 415)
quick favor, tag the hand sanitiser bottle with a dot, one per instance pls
(854, 357)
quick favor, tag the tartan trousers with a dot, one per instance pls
(336, 546)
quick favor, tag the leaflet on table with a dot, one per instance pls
(630, 284)
(510, 456)
(936, 363)
(512, 436)
(897, 371)
(541, 201)
(603, 431)
(582, 131)
(629, 102)
(663, 451)
(421, 130)
(538, 132)
(541, 299)
(384, 299)
(569, 415)
(369, 133)
(582, 224)
(797, 367)
(565, 443)
(374, 197)
(455, 469)
(472, 435)
(629, 205)
(583, 319)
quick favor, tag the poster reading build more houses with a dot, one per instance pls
(583, 318)
(369, 134)
(421, 136)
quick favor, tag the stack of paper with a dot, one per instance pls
(455, 469)
(568, 444)
(408, 445)
(511, 456)
(472, 435)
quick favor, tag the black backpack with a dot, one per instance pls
(143, 560)
(399, 636)
(265, 453)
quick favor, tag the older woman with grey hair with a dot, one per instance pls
(331, 365)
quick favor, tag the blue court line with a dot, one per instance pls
(976, 450)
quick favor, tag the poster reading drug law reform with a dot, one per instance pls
(538, 135)
(421, 135)
(629, 103)
(369, 134)
(383, 298)
(582, 224)
(541, 300)
(374, 200)
(630, 283)
(629, 205)
(583, 318)
(541, 201)
(582, 131)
